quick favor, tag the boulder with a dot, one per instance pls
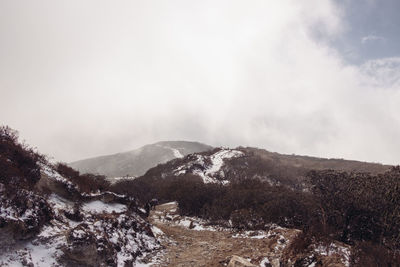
(237, 261)
(84, 248)
(22, 215)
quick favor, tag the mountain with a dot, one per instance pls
(138, 161)
(223, 165)
(220, 207)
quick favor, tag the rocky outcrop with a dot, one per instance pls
(108, 240)
(82, 249)
(52, 182)
(22, 214)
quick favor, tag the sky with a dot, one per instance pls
(315, 77)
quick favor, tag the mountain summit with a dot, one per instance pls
(138, 161)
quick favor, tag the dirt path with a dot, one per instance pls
(210, 247)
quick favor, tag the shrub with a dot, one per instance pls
(359, 206)
(370, 254)
(19, 163)
(87, 183)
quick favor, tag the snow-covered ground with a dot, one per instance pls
(113, 180)
(98, 206)
(45, 248)
(109, 227)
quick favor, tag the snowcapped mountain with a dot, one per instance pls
(137, 162)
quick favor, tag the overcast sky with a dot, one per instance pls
(314, 77)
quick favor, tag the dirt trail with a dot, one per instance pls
(188, 247)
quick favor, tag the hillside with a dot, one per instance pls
(327, 200)
(50, 215)
(138, 161)
(224, 165)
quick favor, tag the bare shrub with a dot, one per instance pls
(19, 163)
(87, 183)
(371, 255)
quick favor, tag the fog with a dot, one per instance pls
(87, 78)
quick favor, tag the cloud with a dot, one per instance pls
(372, 38)
(84, 79)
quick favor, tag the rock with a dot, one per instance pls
(48, 184)
(17, 221)
(275, 263)
(82, 246)
(237, 261)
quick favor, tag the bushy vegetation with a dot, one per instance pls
(374, 255)
(19, 163)
(248, 203)
(20, 166)
(359, 206)
(87, 182)
(362, 210)
(19, 172)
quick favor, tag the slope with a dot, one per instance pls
(137, 162)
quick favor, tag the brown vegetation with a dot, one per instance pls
(19, 163)
(87, 182)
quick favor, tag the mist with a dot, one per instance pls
(87, 78)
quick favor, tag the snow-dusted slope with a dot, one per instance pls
(39, 230)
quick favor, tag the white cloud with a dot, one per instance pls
(383, 73)
(95, 78)
(372, 38)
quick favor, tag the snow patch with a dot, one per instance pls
(53, 174)
(156, 231)
(218, 159)
(264, 262)
(98, 206)
(175, 152)
(209, 172)
(334, 249)
(170, 203)
(114, 180)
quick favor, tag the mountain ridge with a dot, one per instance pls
(136, 162)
